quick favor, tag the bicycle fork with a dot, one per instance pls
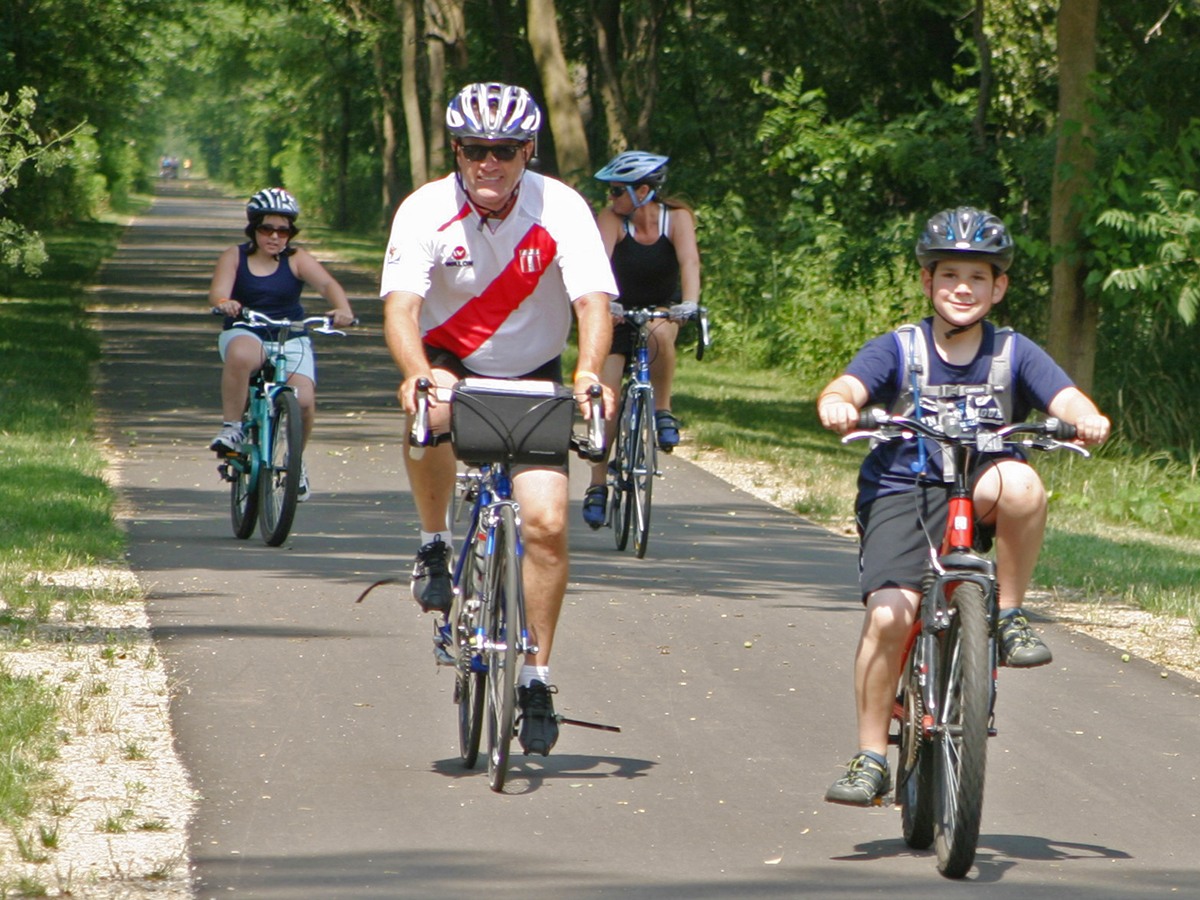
(923, 648)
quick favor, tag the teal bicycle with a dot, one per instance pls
(264, 472)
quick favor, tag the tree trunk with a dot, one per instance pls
(446, 25)
(566, 121)
(1073, 319)
(606, 26)
(418, 164)
(984, 49)
(390, 195)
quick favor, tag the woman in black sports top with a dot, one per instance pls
(651, 241)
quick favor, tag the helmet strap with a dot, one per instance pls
(638, 204)
(484, 212)
(954, 332)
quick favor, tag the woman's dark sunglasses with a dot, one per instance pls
(268, 230)
(479, 152)
(617, 190)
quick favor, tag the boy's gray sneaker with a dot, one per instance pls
(865, 783)
(1020, 648)
(431, 586)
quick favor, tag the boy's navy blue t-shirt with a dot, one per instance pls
(1036, 380)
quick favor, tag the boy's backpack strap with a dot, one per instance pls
(912, 377)
(1001, 377)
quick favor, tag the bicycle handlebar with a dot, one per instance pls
(590, 447)
(639, 317)
(252, 318)
(1050, 434)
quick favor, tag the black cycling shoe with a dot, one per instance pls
(539, 725)
(668, 430)
(595, 506)
(431, 586)
(865, 783)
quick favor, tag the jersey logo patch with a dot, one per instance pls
(530, 260)
(458, 258)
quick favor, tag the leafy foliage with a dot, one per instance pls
(20, 145)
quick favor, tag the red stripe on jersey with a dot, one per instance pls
(462, 214)
(479, 318)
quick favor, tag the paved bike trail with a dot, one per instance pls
(321, 738)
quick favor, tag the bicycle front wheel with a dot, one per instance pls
(243, 489)
(642, 464)
(960, 747)
(471, 672)
(914, 771)
(279, 479)
(622, 463)
(504, 642)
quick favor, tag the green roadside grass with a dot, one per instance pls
(56, 510)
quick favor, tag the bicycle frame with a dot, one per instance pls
(487, 488)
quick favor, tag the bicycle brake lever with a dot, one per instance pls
(595, 450)
(418, 437)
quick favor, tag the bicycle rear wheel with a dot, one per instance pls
(505, 640)
(914, 771)
(279, 479)
(471, 672)
(960, 747)
(622, 493)
(642, 463)
(243, 488)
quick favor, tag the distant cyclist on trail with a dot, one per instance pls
(651, 241)
(964, 255)
(267, 274)
(483, 273)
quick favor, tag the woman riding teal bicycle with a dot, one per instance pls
(651, 241)
(267, 274)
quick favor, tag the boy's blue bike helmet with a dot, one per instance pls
(965, 231)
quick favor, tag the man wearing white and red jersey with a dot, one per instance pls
(484, 270)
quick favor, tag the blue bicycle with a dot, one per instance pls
(496, 423)
(634, 463)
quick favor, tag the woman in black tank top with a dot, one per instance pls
(651, 241)
(268, 274)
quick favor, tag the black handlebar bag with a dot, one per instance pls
(518, 422)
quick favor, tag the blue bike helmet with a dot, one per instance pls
(635, 167)
(965, 231)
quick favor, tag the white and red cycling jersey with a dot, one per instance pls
(497, 293)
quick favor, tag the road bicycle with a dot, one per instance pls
(497, 423)
(945, 703)
(264, 472)
(634, 463)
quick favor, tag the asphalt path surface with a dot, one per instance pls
(322, 740)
